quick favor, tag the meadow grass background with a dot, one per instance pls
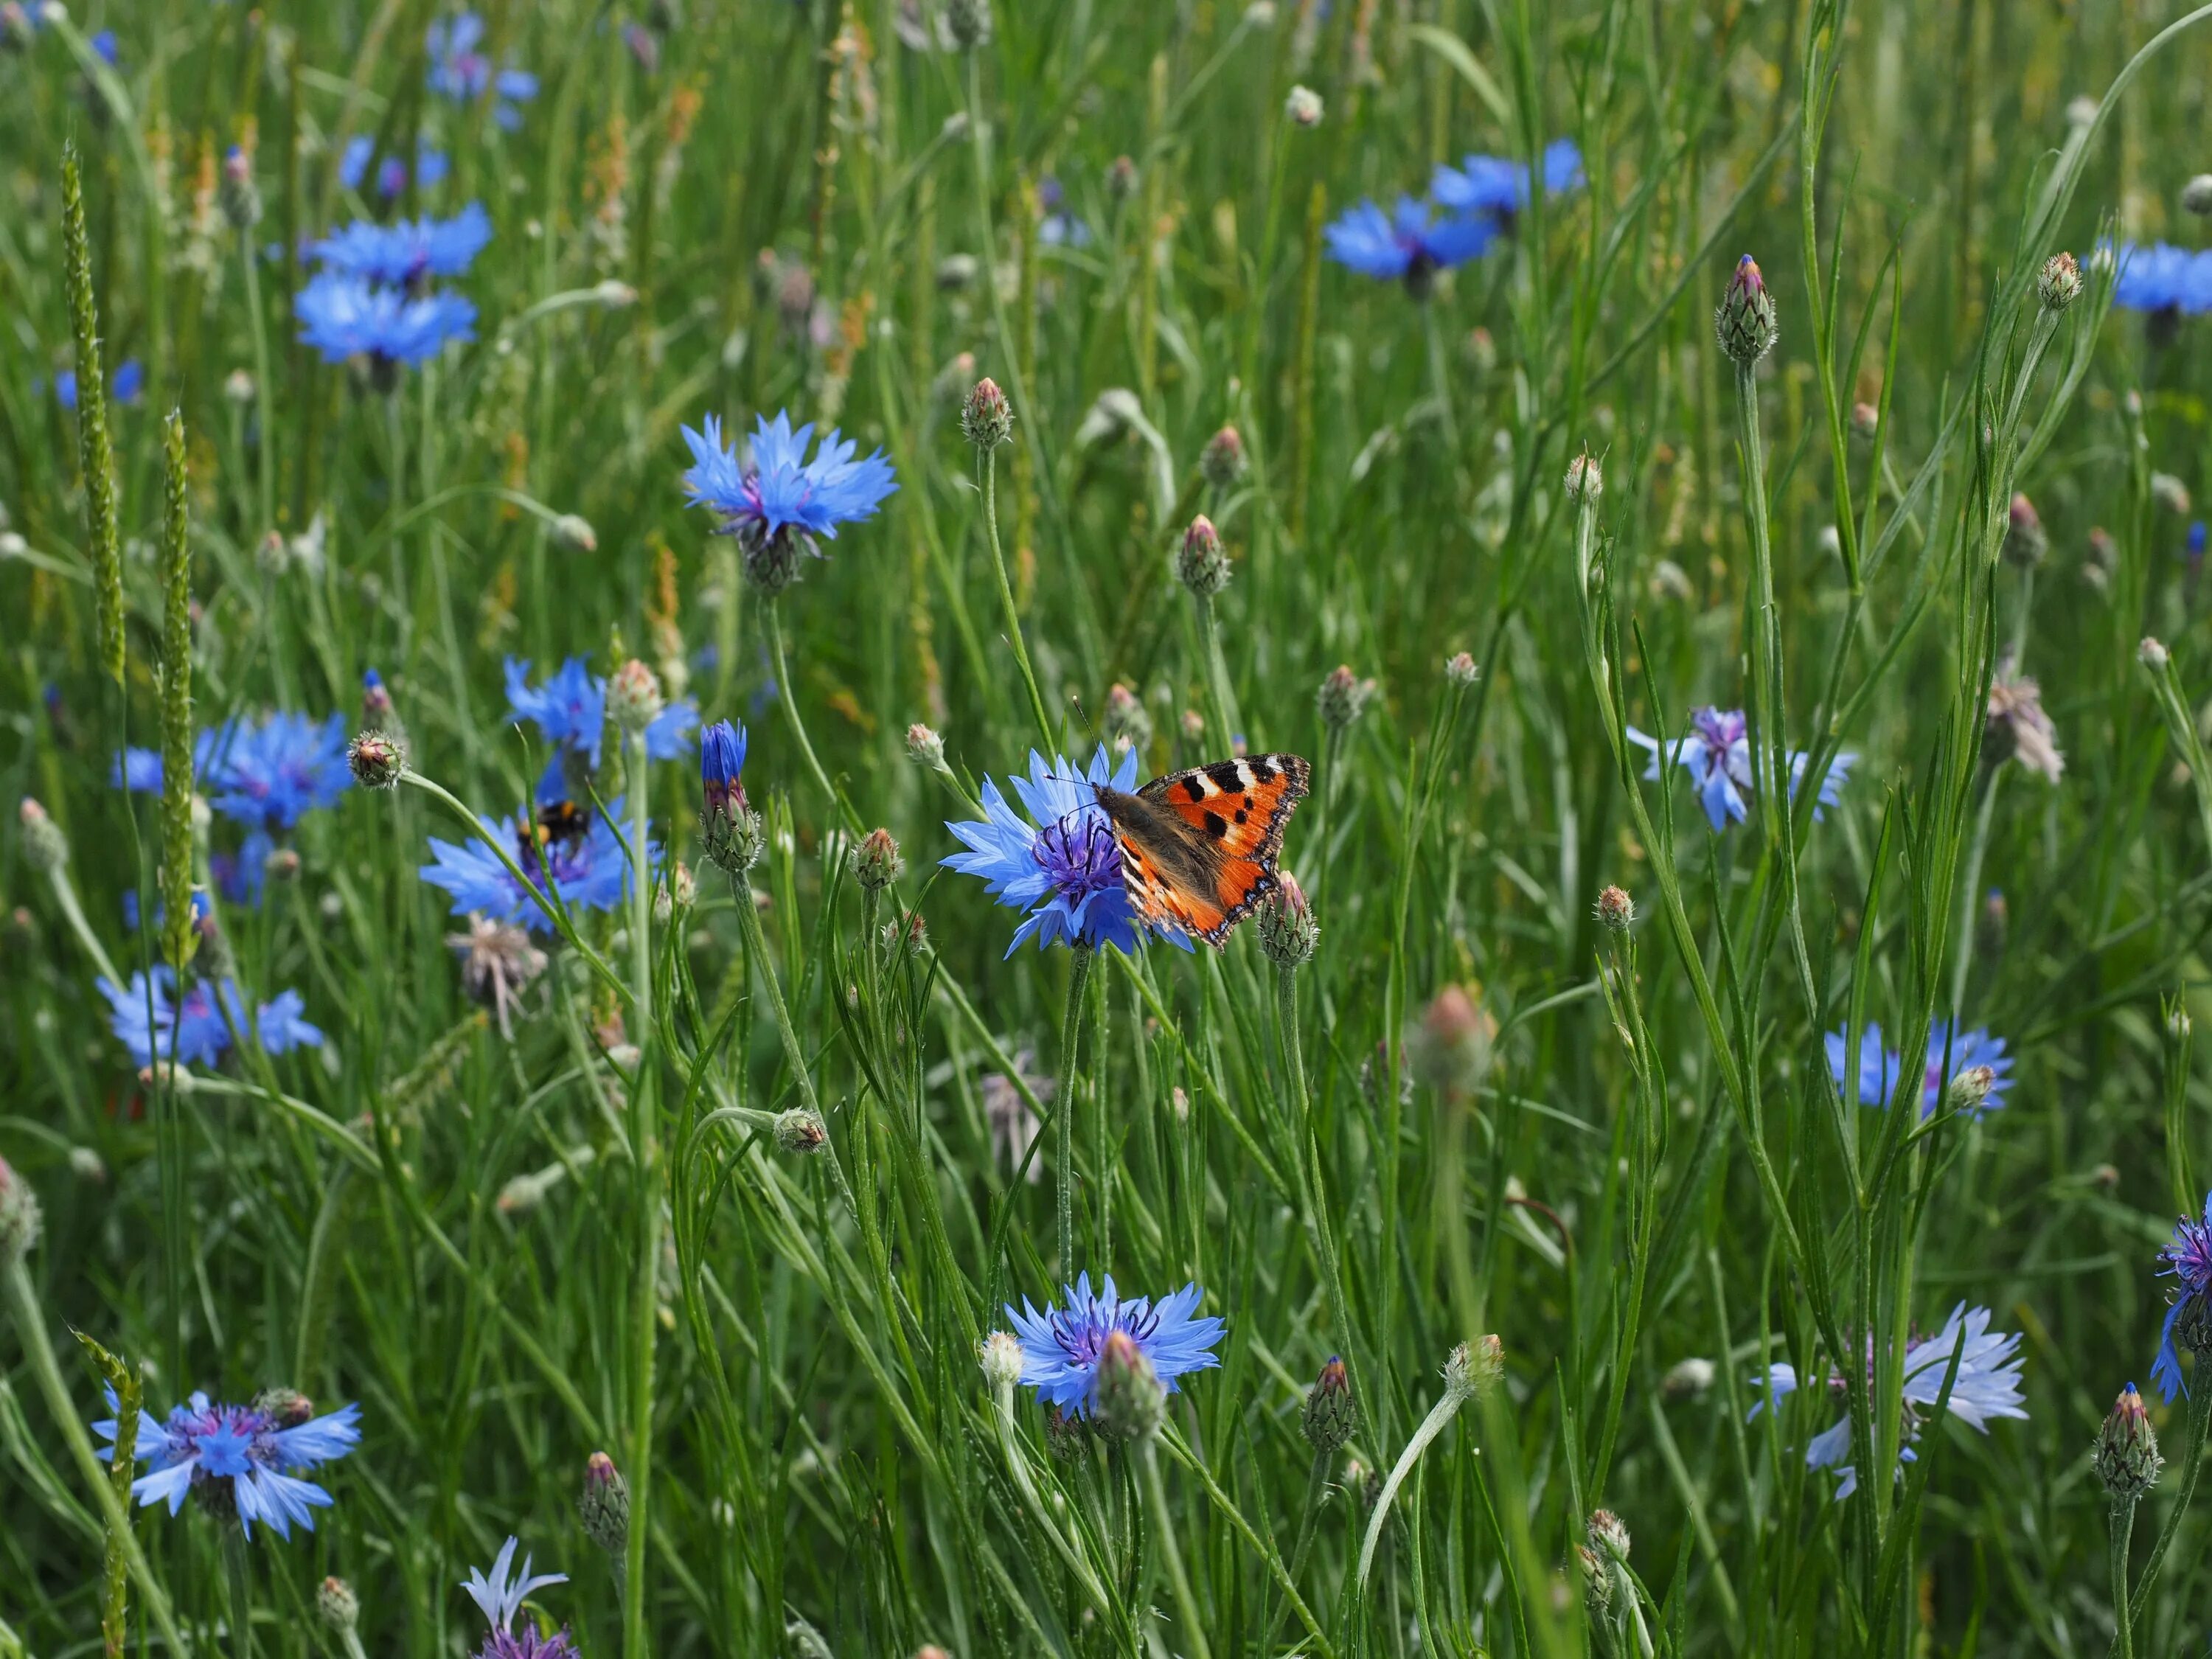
(806, 210)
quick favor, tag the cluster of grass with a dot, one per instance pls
(724, 1191)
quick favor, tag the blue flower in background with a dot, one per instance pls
(2163, 278)
(1056, 227)
(1498, 185)
(569, 710)
(1987, 1386)
(591, 869)
(499, 1595)
(344, 316)
(235, 1460)
(146, 1014)
(2188, 1261)
(282, 1026)
(406, 253)
(1407, 243)
(461, 72)
(124, 386)
(1881, 1067)
(430, 165)
(272, 775)
(104, 43)
(1060, 1348)
(778, 488)
(1062, 864)
(1716, 754)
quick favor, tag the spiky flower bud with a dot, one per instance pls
(2060, 283)
(1449, 1048)
(634, 697)
(377, 758)
(1475, 1367)
(1744, 323)
(987, 419)
(2151, 655)
(1970, 1088)
(1288, 932)
(603, 1505)
(1304, 106)
(1223, 462)
(1688, 1376)
(286, 1407)
(236, 196)
(1127, 723)
(339, 1607)
(1200, 564)
(2025, 542)
(1001, 1358)
(1616, 910)
(1461, 669)
(46, 848)
(20, 1218)
(2197, 195)
(1343, 697)
(2126, 1454)
(800, 1131)
(573, 533)
(1866, 420)
(876, 860)
(970, 22)
(1332, 1415)
(1597, 1580)
(1608, 1535)
(2170, 493)
(924, 747)
(1130, 1403)
(1585, 483)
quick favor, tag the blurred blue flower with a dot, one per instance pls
(1987, 1386)
(1881, 1067)
(2162, 278)
(234, 1458)
(1406, 243)
(146, 1014)
(272, 775)
(499, 1595)
(430, 165)
(461, 72)
(777, 488)
(569, 710)
(2188, 1261)
(1060, 1348)
(590, 869)
(1716, 754)
(343, 316)
(1498, 185)
(282, 1026)
(124, 386)
(110, 52)
(1056, 225)
(406, 252)
(1062, 864)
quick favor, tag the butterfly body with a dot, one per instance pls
(1198, 847)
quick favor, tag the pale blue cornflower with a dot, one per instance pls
(776, 494)
(148, 1013)
(590, 869)
(461, 72)
(344, 316)
(431, 166)
(1060, 1348)
(1498, 185)
(2188, 1261)
(1987, 1386)
(1881, 1067)
(1062, 864)
(234, 1459)
(2162, 278)
(271, 775)
(1407, 243)
(407, 252)
(1716, 753)
(500, 1595)
(125, 387)
(569, 710)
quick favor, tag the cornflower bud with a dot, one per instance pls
(1692, 1376)
(2151, 654)
(1201, 565)
(729, 827)
(46, 848)
(2126, 1454)
(2060, 284)
(876, 860)
(1126, 725)
(2024, 543)
(1121, 179)
(987, 418)
(1342, 698)
(1288, 932)
(1865, 419)
(1597, 1580)
(1585, 483)
(238, 387)
(2170, 493)
(1616, 910)
(1130, 1404)
(604, 1505)
(1304, 106)
(1222, 463)
(1474, 1368)
(1608, 1535)
(924, 747)
(1449, 1048)
(1744, 322)
(377, 758)
(634, 695)
(1970, 1088)
(375, 702)
(573, 533)
(2197, 195)
(339, 1607)
(236, 196)
(1332, 1416)
(970, 22)
(800, 1131)
(1461, 669)
(1001, 1357)
(20, 1218)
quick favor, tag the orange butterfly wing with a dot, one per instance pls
(1231, 816)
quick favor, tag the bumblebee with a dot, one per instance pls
(563, 820)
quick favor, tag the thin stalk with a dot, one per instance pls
(773, 610)
(1439, 1417)
(241, 1599)
(1006, 600)
(1193, 1632)
(2200, 1410)
(1220, 705)
(1080, 957)
(263, 406)
(644, 1324)
(2124, 1523)
(73, 913)
(1309, 1519)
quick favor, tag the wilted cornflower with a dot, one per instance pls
(2188, 1261)
(500, 1595)
(1061, 1348)
(2018, 729)
(777, 502)
(233, 1460)
(1063, 864)
(1879, 1067)
(590, 869)
(1498, 185)
(404, 254)
(148, 1015)
(569, 710)
(1716, 754)
(344, 316)
(1407, 243)
(1987, 1386)
(462, 73)
(498, 961)
(1013, 1125)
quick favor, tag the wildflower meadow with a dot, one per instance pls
(901, 828)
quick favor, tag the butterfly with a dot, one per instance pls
(1198, 847)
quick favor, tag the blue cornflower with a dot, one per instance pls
(124, 386)
(430, 165)
(2188, 1261)
(1056, 225)
(281, 1027)
(500, 1595)
(1716, 754)
(460, 72)
(406, 252)
(722, 766)
(1406, 244)
(145, 1016)
(344, 316)
(778, 501)
(590, 869)
(110, 51)
(1498, 185)
(233, 1459)
(1881, 1067)
(1062, 864)
(569, 710)
(272, 775)
(1987, 1386)
(1061, 1349)
(2163, 278)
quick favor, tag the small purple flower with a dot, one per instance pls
(234, 1459)
(1060, 1348)
(459, 71)
(2188, 1261)
(499, 1595)
(1406, 244)
(282, 1026)
(1716, 754)
(1881, 1067)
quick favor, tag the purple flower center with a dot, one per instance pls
(1081, 855)
(1720, 730)
(1084, 1338)
(2189, 1258)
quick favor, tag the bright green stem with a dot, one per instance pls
(265, 407)
(1309, 1523)
(1080, 957)
(73, 913)
(1194, 1631)
(23, 1303)
(1006, 600)
(1433, 1424)
(756, 947)
(1220, 707)
(645, 1159)
(2200, 1410)
(242, 1593)
(1302, 1165)
(1440, 379)
(774, 611)
(2124, 1523)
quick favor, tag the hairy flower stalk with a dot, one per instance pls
(1473, 1367)
(1080, 955)
(1202, 568)
(636, 711)
(178, 939)
(988, 420)
(95, 450)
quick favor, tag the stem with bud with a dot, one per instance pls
(772, 609)
(2200, 1413)
(1007, 598)
(645, 1163)
(2124, 1522)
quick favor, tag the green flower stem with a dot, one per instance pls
(2200, 1410)
(1220, 704)
(1041, 1515)
(1006, 601)
(73, 913)
(241, 1595)
(1080, 957)
(773, 610)
(1309, 1524)
(264, 408)
(2124, 1522)
(1193, 1632)
(22, 1301)
(644, 1156)
(1440, 1415)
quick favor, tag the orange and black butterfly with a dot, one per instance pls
(1198, 847)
